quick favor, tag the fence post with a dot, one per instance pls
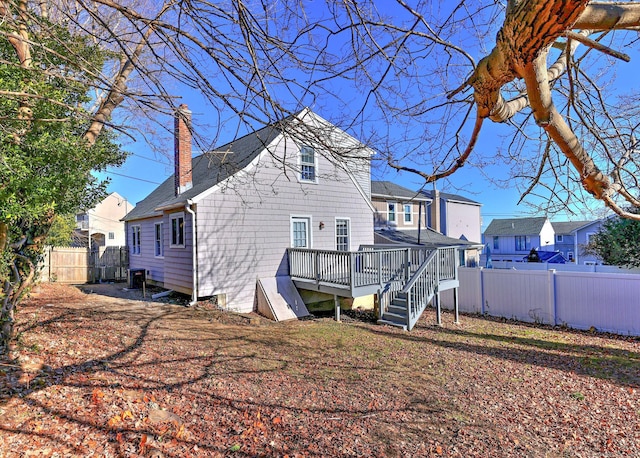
(552, 295)
(482, 290)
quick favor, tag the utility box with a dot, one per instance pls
(136, 278)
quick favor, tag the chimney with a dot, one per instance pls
(435, 210)
(182, 150)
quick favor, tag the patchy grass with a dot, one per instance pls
(104, 376)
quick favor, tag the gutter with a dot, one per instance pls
(194, 252)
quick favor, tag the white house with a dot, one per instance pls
(226, 218)
(102, 226)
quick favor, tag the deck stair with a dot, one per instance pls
(437, 272)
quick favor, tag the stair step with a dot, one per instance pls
(400, 317)
(397, 310)
(403, 326)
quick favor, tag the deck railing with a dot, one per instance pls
(441, 265)
(351, 269)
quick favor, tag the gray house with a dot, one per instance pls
(226, 219)
(565, 238)
(512, 238)
(404, 216)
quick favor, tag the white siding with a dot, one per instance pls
(463, 219)
(244, 228)
(608, 302)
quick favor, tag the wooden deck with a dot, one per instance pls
(405, 279)
(358, 273)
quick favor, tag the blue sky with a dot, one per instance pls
(145, 169)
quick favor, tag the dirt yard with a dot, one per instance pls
(106, 373)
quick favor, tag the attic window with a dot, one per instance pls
(559, 238)
(307, 164)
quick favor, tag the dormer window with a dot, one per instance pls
(308, 164)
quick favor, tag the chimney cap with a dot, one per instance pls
(184, 107)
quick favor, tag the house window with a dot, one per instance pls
(159, 252)
(570, 256)
(523, 243)
(589, 235)
(496, 242)
(300, 232)
(391, 212)
(307, 164)
(408, 213)
(177, 230)
(342, 234)
(112, 235)
(135, 239)
(559, 238)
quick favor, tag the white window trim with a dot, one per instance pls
(309, 220)
(404, 213)
(135, 247)
(155, 239)
(348, 220)
(570, 256)
(588, 236)
(315, 165)
(395, 212)
(172, 217)
(112, 235)
(496, 241)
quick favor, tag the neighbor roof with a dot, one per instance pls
(208, 170)
(428, 238)
(516, 226)
(567, 227)
(390, 189)
(451, 197)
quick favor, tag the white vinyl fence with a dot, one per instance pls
(609, 302)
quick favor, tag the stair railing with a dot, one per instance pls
(421, 288)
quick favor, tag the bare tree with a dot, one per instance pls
(418, 82)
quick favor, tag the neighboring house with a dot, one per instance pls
(397, 207)
(403, 217)
(581, 236)
(454, 215)
(226, 218)
(102, 226)
(565, 237)
(513, 238)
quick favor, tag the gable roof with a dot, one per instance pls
(395, 191)
(208, 170)
(451, 197)
(516, 226)
(567, 227)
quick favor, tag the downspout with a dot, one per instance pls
(194, 252)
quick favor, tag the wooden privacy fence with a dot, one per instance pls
(77, 265)
(581, 300)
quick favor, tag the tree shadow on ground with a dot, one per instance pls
(144, 361)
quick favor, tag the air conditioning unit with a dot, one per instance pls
(136, 278)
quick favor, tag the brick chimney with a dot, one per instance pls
(182, 150)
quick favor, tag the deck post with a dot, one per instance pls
(407, 264)
(336, 301)
(455, 306)
(353, 264)
(438, 309)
